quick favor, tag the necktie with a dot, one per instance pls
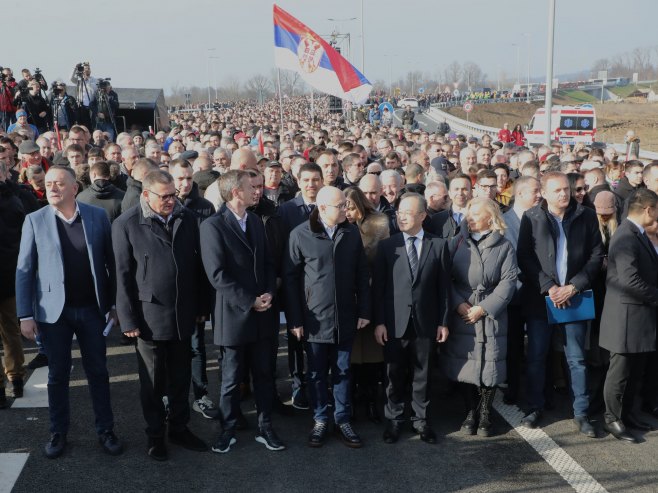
(413, 256)
(458, 218)
(309, 208)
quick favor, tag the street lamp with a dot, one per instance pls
(208, 69)
(518, 64)
(214, 73)
(549, 71)
(527, 35)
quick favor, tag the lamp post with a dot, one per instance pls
(208, 69)
(214, 73)
(518, 63)
(549, 70)
(527, 35)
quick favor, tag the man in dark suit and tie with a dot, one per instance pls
(411, 280)
(240, 267)
(628, 323)
(446, 224)
(65, 285)
(293, 213)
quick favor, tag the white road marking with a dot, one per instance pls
(579, 479)
(35, 390)
(11, 466)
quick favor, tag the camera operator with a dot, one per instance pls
(62, 106)
(7, 108)
(27, 77)
(31, 100)
(86, 91)
(103, 108)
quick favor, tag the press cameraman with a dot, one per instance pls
(7, 108)
(30, 99)
(103, 108)
(27, 77)
(86, 91)
(62, 106)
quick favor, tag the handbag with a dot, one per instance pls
(580, 309)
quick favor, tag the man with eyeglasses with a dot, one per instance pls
(327, 300)
(160, 281)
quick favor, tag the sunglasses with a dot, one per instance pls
(374, 173)
(581, 189)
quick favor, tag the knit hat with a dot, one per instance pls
(20, 113)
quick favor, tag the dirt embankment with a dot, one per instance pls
(613, 119)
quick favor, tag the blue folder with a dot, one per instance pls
(582, 308)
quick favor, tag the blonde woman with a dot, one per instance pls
(483, 282)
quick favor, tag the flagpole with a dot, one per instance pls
(312, 106)
(278, 82)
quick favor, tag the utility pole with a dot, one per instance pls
(548, 106)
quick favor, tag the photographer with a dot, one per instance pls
(27, 77)
(62, 106)
(7, 108)
(103, 108)
(86, 91)
(31, 100)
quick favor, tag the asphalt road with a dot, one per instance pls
(503, 463)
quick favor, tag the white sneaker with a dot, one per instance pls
(206, 408)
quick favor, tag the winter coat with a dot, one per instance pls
(12, 215)
(133, 192)
(103, 194)
(374, 229)
(159, 273)
(483, 274)
(327, 281)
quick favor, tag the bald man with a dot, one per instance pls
(243, 159)
(327, 262)
(372, 188)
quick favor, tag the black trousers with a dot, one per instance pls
(234, 359)
(650, 381)
(621, 381)
(296, 362)
(164, 369)
(407, 359)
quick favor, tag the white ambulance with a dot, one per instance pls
(569, 125)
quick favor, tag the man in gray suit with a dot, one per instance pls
(65, 285)
(628, 323)
(527, 194)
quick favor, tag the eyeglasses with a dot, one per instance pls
(166, 197)
(489, 187)
(342, 206)
(374, 173)
(581, 189)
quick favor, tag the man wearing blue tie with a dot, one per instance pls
(65, 285)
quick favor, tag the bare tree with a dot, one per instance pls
(258, 87)
(453, 73)
(231, 88)
(472, 74)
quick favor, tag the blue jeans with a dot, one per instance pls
(320, 356)
(87, 324)
(199, 375)
(539, 340)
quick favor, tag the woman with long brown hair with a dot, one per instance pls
(367, 355)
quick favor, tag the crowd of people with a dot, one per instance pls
(393, 253)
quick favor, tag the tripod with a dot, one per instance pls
(103, 106)
(82, 91)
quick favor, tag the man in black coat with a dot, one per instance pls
(446, 224)
(142, 167)
(327, 300)
(159, 276)
(241, 269)
(188, 195)
(632, 179)
(101, 192)
(628, 322)
(410, 282)
(560, 253)
(12, 215)
(293, 213)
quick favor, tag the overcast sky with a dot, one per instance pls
(149, 43)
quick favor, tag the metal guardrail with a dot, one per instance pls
(460, 126)
(460, 102)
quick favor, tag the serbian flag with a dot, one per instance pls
(299, 49)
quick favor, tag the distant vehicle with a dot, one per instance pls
(403, 103)
(569, 125)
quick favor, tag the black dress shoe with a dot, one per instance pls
(584, 426)
(318, 434)
(348, 436)
(636, 424)
(157, 449)
(392, 432)
(55, 447)
(188, 440)
(426, 433)
(110, 443)
(618, 430)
